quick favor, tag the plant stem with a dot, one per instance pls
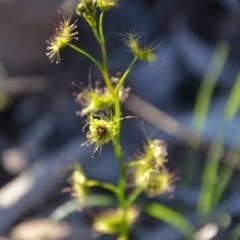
(122, 179)
(203, 101)
(107, 186)
(87, 55)
(123, 78)
(102, 39)
(135, 164)
(207, 86)
(230, 111)
(205, 203)
(133, 196)
(116, 143)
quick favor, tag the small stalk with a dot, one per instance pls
(107, 186)
(116, 143)
(87, 55)
(102, 39)
(123, 78)
(133, 196)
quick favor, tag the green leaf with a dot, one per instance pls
(171, 217)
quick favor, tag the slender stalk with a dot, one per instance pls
(123, 78)
(133, 196)
(203, 101)
(104, 71)
(107, 186)
(224, 178)
(87, 55)
(96, 35)
(230, 111)
(233, 103)
(212, 193)
(102, 39)
(208, 84)
(135, 164)
(116, 143)
(205, 202)
(122, 178)
(168, 215)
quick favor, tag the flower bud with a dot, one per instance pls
(64, 34)
(102, 129)
(79, 184)
(143, 53)
(150, 173)
(159, 183)
(111, 221)
(97, 99)
(106, 5)
(87, 9)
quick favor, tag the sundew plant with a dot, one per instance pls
(101, 109)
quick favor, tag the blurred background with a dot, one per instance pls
(40, 134)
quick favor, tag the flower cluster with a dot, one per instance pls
(110, 222)
(143, 53)
(95, 99)
(150, 173)
(63, 35)
(106, 5)
(87, 9)
(79, 184)
(102, 129)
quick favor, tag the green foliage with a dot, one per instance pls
(170, 216)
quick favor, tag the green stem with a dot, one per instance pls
(122, 186)
(123, 78)
(171, 217)
(96, 35)
(118, 151)
(84, 53)
(116, 100)
(133, 196)
(207, 86)
(116, 142)
(230, 112)
(135, 164)
(102, 38)
(205, 203)
(104, 71)
(107, 186)
(203, 101)
(224, 178)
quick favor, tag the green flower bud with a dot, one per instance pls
(97, 99)
(102, 129)
(153, 156)
(87, 9)
(159, 183)
(106, 5)
(150, 172)
(79, 184)
(64, 34)
(111, 221)
(143, 53)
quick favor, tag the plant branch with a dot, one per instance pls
(123, 78)
(87, 55)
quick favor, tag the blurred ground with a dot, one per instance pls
(40, 133)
